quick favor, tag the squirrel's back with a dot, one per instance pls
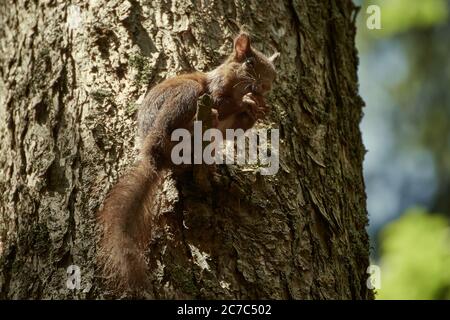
(168, 94)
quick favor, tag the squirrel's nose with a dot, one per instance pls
(256, 88)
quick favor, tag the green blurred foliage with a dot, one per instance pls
(415, 249)
(421, 28)
(415, 260)
(400, 16)
(403, 15)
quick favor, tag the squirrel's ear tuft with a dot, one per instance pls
(242, 46)
(274, 57)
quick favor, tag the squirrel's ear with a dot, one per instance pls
(242, 46)
(274, 57)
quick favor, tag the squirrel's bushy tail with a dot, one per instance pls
(125, 219)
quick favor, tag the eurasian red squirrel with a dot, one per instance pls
(237, 88)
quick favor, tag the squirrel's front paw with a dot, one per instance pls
(256, 105)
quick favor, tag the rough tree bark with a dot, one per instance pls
(70, 75)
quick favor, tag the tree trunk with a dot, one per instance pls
(70, 78)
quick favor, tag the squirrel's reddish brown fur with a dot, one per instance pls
(237, 88)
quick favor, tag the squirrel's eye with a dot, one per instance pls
(250, 61)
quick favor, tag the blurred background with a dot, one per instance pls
(405, 81)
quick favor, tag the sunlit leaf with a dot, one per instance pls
(415, 257)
